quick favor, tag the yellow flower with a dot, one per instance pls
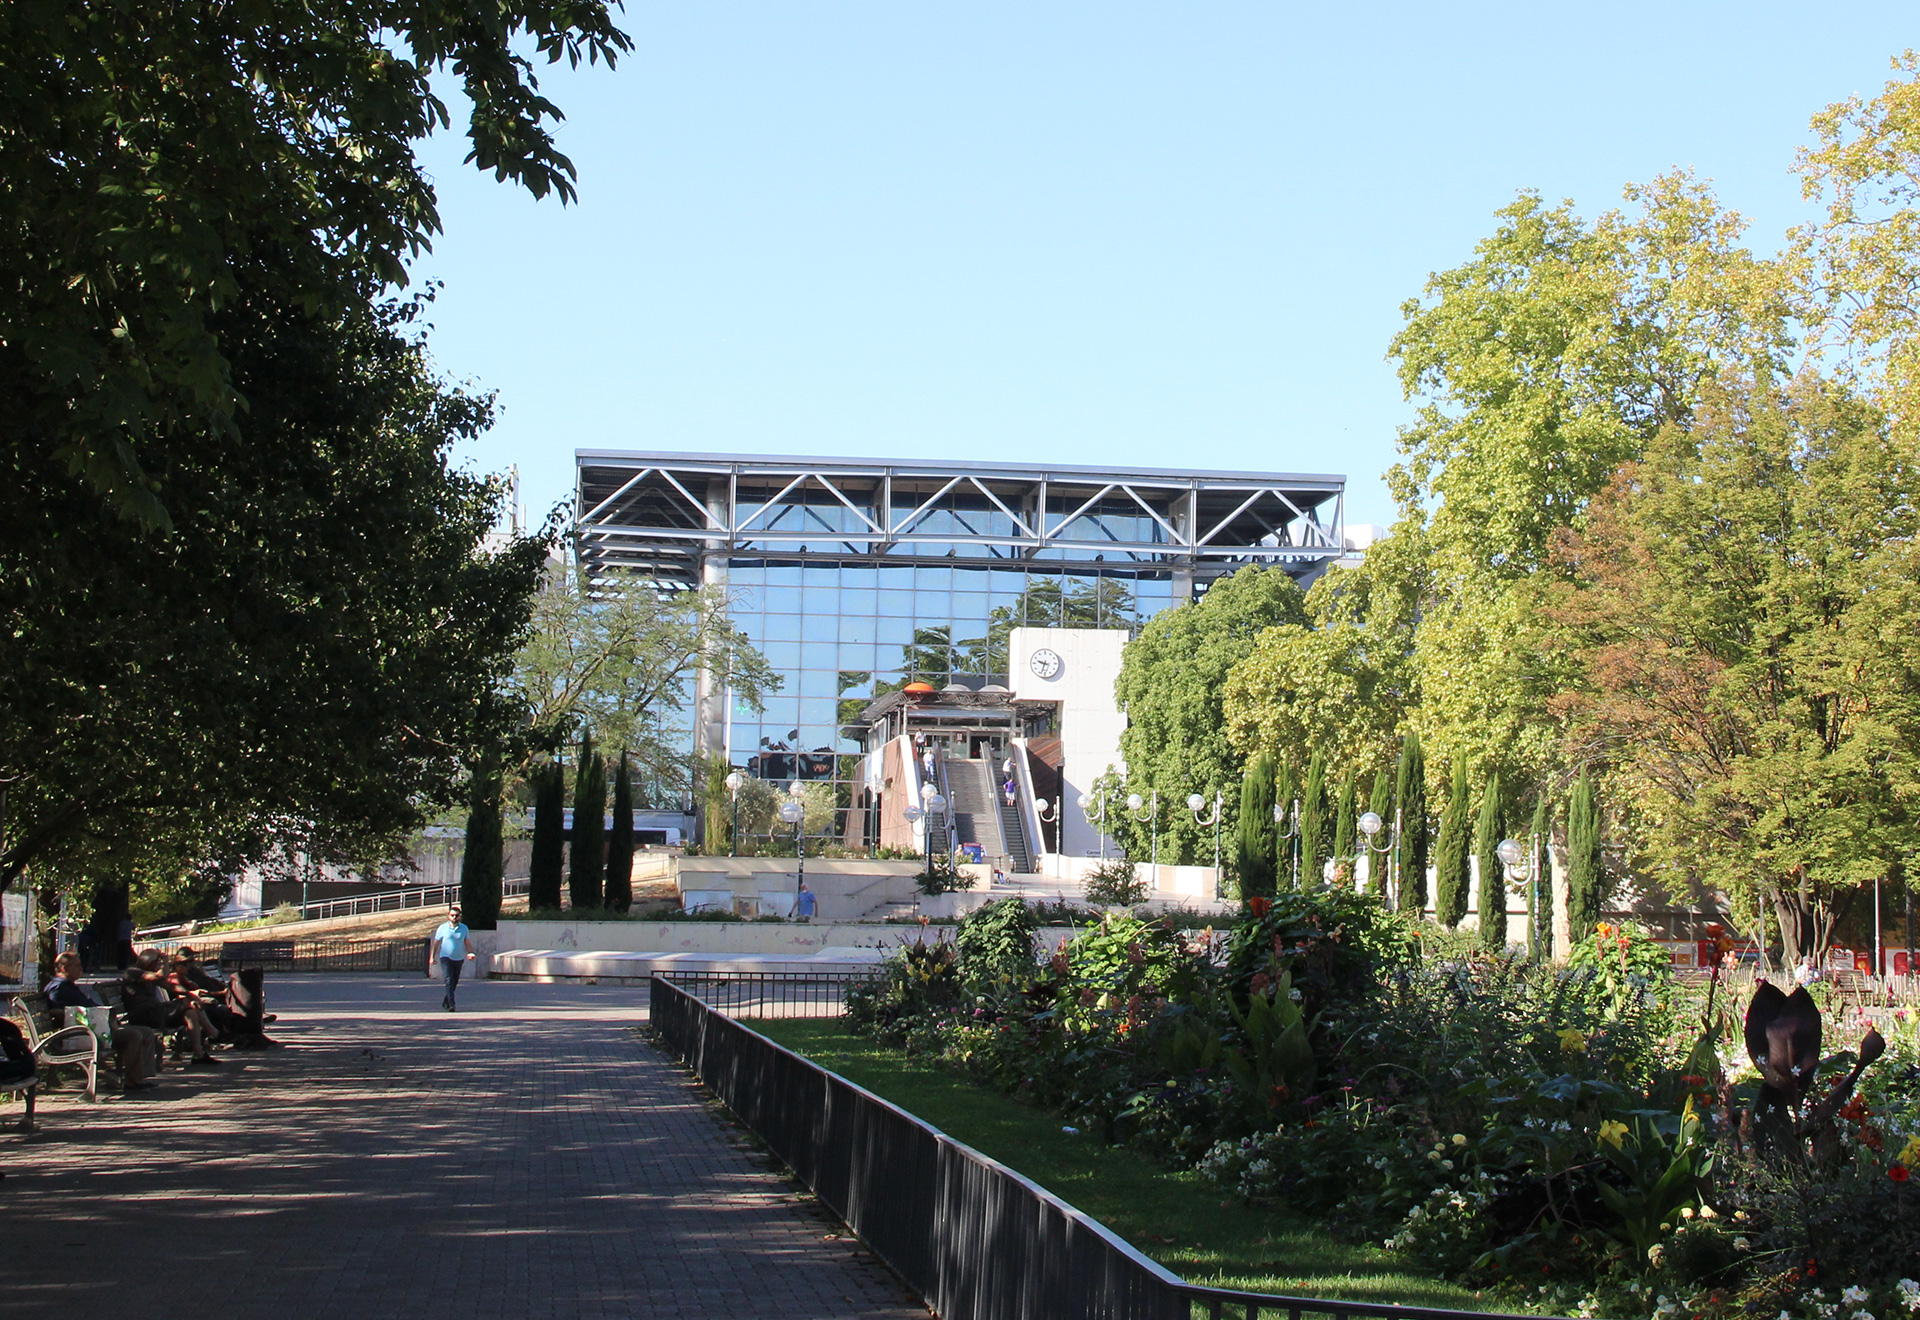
(1910, 1153)
(1613, 1133)
(1573, 1042)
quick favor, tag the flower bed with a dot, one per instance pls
(1590, 1139)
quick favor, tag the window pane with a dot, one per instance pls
(783, 627)
(820, 626)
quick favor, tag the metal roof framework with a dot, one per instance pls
(662, 514)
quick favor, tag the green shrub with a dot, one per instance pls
(1116, 883)
(996, 942)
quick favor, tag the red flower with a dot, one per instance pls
(1897, 1172)
(1259, 906)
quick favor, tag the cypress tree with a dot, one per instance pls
(1410, 800)
(1344, 832)
(1487, 833)
(1451, 871)
(484, 862)
(1380, 803)
(1540, 886)
(1585, 882)
(1316, 833)
(587, 862)
(1286, 796)
(549, 838)
(1256, 841)
(620, 841)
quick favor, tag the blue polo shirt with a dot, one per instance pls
(451, 940)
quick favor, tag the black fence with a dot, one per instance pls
(327, 955)
(975, 1239)
(772, 994)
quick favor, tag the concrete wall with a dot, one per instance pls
(1090, 722)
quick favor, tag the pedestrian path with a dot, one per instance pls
(528, 1157)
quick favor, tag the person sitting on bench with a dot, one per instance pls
(149, 1005)
(184, 986)
(137, 1047)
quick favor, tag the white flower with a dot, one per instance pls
(1741, 1244)
(1854, 1293)
(1863, 1315)
(1910, 1294)
(1656, 1255)
(1686, 1212)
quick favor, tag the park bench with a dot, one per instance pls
(267, 955)
(54, 1044)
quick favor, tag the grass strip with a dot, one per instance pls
(1176, 1218)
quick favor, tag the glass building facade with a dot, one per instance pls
(855, 578)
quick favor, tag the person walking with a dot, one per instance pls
(450, 942)
(804, 904)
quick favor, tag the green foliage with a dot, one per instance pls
(1256, 858)
(1410, 801)
(995, 942)
(1316, 827)
(587, 857)
(1450, 872)
(1275, 1063)
(916, 982)
(549, 836)
(942, 875)
(1663, 1176)
(1172, 685)
(1116, 883)
(1345, 831)
(619, 890)
(1380, 802)
(1337, 946)
(620, 655)
(1489, 829)
(1585, 874)
(1286, 843)
(1622, 966)
(482, 864)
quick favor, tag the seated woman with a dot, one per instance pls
(149, 1005)
(137, 1047)
(185, 986)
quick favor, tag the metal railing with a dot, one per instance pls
(974, 1239)
(761, 995)
(387, 900)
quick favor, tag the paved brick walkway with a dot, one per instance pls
(398, 1161)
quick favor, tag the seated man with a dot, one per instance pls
(137, 1047)
(183, 985)
(144, 986)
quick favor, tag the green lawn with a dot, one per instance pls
(1178, 1219)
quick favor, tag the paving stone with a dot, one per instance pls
(528, 1157)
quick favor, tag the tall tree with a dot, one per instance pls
(1739, 605)
(1540, 882)
(1585, 871)
(1345, 813)
(1286, 796)
(482, 862)
(1379, 855)
(1316, 829)
(620, 840)
(587, 857)
(548, 862)
(1451, 868)
(1257, 854)
(1410, 802)
(1172, 684)
(157, 155)
(1488, 830)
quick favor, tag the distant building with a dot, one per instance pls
(871, 584)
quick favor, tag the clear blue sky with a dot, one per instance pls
(1171, 235)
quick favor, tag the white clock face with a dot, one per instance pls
(1046, 663)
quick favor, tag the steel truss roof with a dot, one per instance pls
(661, 513)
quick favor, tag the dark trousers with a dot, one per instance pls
(450, 973)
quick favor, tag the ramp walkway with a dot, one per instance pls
(530, 1156)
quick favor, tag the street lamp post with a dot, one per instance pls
(794, 812)
(1134, 803)
(914, 816)
(735, 782)
(1194, 802)
(1521, 862)
(1040, 808)
(1098, 817)
(1370, 826)
(1290, 831)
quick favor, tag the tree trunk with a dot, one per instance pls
(1806, 922)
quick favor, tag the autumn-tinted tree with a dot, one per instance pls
(1450, 859)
